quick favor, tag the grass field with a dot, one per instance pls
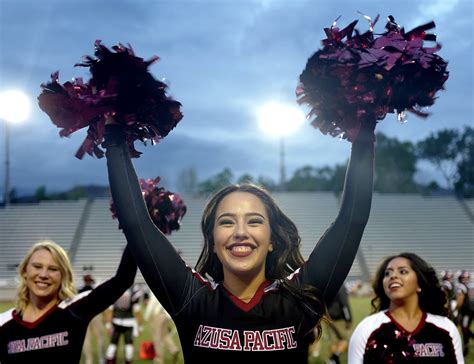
(360, 308)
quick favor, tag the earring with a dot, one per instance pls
(270, 248)
(418, 289)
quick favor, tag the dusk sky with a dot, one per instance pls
(223, 59)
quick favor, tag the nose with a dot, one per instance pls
(43, 273)
(240, 232)
(392, 275)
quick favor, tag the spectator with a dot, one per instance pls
(124, 319)
(448, 286)
(162, 329)
(96, 329)
(465, 306)
(339, 326)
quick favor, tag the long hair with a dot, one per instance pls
(279, 264)
(431, 298)
(67, 288)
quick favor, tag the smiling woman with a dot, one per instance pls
(411, 324)
(49, 321)
(251, 297)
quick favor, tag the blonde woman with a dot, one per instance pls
(49, 321)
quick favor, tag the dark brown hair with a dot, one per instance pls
(280, 263)
(431, 299)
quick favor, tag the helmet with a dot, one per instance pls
(464, 275)
(447, 275)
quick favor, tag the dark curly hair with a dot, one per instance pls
(283, 260)
(431, 299)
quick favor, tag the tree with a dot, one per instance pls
(216, 182)
(464, 184)
(310, 178)
(187, 180)
(267, 183)
(452, 152)
(395, 165)
(441, 149)
(40, 193)
(245, 178)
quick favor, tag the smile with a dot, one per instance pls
(42, 284)
(240, 250)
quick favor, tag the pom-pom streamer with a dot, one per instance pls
(166, 208)
(122, 87)
(357, 76)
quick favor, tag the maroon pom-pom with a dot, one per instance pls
(358, 78)
(120, 86)
(166, 208)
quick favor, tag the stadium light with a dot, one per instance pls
(280, 120)
(14, 108)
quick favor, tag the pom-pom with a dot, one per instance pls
(120, 86)
(358, 78)
(166, 208)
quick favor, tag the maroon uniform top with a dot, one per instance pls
(57, 336)
(379, 339)
(213, 325)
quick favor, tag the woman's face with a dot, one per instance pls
(43, 276)
(400, 282)
(242, 235)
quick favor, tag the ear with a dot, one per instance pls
(418, 289)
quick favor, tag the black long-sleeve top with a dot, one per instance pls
(214, 325)
(58, 335)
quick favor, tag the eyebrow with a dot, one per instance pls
(403, 266)
(229, 214)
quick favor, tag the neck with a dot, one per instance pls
(37, 306)
(242, 287)
(405, 310)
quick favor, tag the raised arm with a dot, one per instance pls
(108, 292)
(161, 266)
(332, 258)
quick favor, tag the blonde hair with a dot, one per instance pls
(67, 288)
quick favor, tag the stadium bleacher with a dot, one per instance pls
(440, 229)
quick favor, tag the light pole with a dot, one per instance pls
(279, 120)
(282, 164)
(14, 108)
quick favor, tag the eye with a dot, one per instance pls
(404, 271)
(386, 273)
(255, 221)
(225, 222)
(53, 269)
(36, 265)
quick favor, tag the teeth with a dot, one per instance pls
(394, 285)
(241, 248)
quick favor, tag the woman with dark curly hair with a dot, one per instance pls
(410, 323)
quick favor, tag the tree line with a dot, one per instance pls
(450, 151)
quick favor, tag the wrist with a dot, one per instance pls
(113, 135)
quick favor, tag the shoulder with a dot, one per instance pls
(441, 322)
(461, 288)
(368, 325)
(372, 322)
(360, 336)
(74, 300)
(6, 316)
